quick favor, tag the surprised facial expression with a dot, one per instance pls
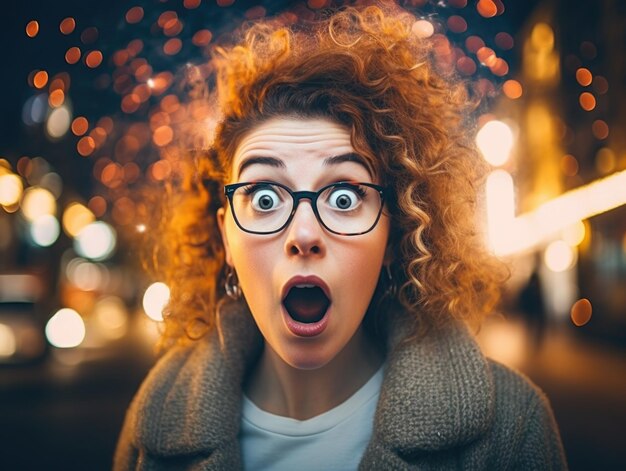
(307, 287)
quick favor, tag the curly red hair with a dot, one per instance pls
(363, 68)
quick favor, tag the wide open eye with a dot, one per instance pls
(345, 198)
(265, 198)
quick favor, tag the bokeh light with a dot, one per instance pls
(93, 59)
(155, 299)
(72, 55)
(38, 202)
(587, 101)
(96, 241)
(111, 317)
(600, 129)
(40, 79)
(44, 231)
(32, 28)
(67, 26)
(65, 329)
(58, 123)
(134, 15)
(11, 189)
(495, 141)
(512, 89)
(559, 256)
(75, 218)
(80, 125)
(581, 312)
(584, 77)
(8, 342)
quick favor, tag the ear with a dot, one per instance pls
(221, 214)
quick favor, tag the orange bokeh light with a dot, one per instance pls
(487, 8)
(93, 59)
(72, 56)
(130, 103)
(85, 146)
(499, 67)
(161, 169)
(99, 135)
(98, 206)
(202, 37)
(165, 17)
(512, 89)
(56, 98)
(581, 312)
(587, 101)
(40, 79)
(32, 28)
(134, 47)
(134, 15)
(600, 129)
(172, 27)
(112, 175)
(68, 25)
(486, 56)
(170, 103)
(106, 123)
(191, 4)
(163, 135)
(584, 77)
(172, 46)
(80, 125)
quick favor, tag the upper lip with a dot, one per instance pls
(306, 280)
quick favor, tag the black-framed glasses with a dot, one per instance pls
(343, 208)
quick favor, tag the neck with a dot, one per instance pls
(281, 389)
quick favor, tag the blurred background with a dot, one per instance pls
(95, 99)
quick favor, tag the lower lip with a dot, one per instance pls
(302, 329)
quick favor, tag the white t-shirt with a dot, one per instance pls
(334, 440)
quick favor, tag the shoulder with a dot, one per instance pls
(523, 421)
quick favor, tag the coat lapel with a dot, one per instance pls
(437, 393)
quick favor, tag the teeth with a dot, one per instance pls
(305, 286)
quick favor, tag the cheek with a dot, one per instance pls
(254, 259)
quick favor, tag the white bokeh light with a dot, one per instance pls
(96, 241)
(45, 230)
(38, 202)
(559, 256)
(495, 141)
(65, 329)
(155, 299)
(58, 122)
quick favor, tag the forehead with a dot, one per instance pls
(306, 134)
(294, 142)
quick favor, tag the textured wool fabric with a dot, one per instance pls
(442, 406)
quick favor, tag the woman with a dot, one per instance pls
(327, 246)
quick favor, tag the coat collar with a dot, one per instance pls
(437, 392)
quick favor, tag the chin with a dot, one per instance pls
(307, 359)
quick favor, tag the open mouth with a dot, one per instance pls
(306, 303)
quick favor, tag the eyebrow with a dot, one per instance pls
(271, 161)
(277, 163)
(350, 157)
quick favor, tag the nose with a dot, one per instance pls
(304, 233)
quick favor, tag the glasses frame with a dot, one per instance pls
(298, 196)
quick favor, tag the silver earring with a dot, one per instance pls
(231, 284)
(392, 289)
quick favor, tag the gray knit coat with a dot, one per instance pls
(442, 406)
